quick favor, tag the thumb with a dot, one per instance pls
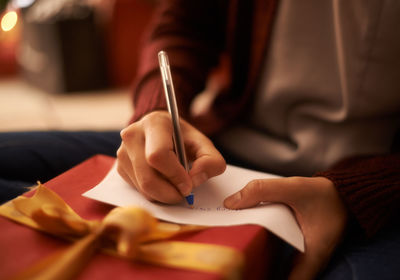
(260, 190)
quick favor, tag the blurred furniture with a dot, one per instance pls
(61, 47)
(69, 46)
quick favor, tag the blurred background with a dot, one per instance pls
(68, 64)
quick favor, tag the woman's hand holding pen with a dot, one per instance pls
(146, 158)
(319, 210)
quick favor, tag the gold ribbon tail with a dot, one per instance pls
(65, 264)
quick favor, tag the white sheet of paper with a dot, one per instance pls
(208, 206)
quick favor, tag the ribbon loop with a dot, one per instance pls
(58, 222)
(52, 214)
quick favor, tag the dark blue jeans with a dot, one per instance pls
(26, 157)
(375, 258)
(356, 258)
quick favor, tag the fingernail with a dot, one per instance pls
(184, 189)
(233, 200)
(199, 179)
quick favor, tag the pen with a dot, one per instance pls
(173, 111)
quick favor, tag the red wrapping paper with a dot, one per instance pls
(21, 246)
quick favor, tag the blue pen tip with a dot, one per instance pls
(190, 199)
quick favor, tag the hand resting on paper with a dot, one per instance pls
(319, 210)
(147, 161)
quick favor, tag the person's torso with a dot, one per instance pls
(330, 87)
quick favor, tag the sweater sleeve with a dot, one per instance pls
(370, 187)
(191, 33)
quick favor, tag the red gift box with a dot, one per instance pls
(22, 246)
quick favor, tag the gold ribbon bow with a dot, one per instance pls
(126, 232)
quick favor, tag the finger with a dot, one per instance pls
(208, 163)
(148, 181)
(264, 190)
(206, 160)
(125, 176)
(155, 186)
(125, 169)
(160, 154)
(124, 166)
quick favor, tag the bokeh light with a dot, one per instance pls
(9, 20)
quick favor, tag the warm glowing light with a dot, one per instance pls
(9, 20)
